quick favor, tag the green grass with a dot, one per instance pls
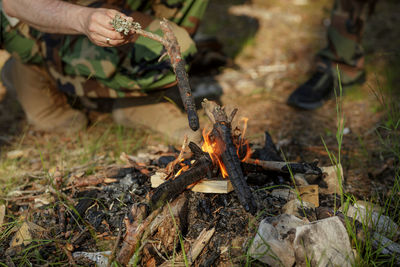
(367, 254)
(100, 145)
(103, 142)
(388, 132)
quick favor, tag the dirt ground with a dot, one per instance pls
(271, 46)
(279, 56)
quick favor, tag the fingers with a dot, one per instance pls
(107, 42)
(111, 37)
(100, 30)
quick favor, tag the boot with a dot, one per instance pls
(45, 107)
(318, 89)
(314, 92)
(162, 117)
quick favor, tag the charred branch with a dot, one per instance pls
(170, 43)
(286, 167)
(269, 151)
(178, 64)
(172, 188)
(222, 135)
(196, 150)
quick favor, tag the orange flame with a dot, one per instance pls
(183, 168)
(243, 141)
(214, 151)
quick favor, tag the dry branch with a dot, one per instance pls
(178, 63)
(135, 227)
(139, 227)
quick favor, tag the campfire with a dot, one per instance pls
(224, 154)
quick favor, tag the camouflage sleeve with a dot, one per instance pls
(20, 40)
(79, 67)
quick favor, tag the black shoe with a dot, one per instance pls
(312, 94)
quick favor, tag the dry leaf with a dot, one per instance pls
(16, 154)
(22, 236)
(309, 193)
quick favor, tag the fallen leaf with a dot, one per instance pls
(309, 193)
(16, 154)
(22, 236)
(69, 247)
(43, 200)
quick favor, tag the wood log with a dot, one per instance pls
(217, 186)
(173, 187)
(222, 136)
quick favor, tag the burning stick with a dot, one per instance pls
(173, 187)
(221, 137)
(170, 43)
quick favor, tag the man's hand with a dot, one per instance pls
(96, 26)
(56, 16)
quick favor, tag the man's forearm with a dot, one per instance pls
(52, 16)
(56, 16)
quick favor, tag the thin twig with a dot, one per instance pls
(115, 247)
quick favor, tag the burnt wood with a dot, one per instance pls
(285, 167)
(222, 135)
(172, 188)
(178, 64)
